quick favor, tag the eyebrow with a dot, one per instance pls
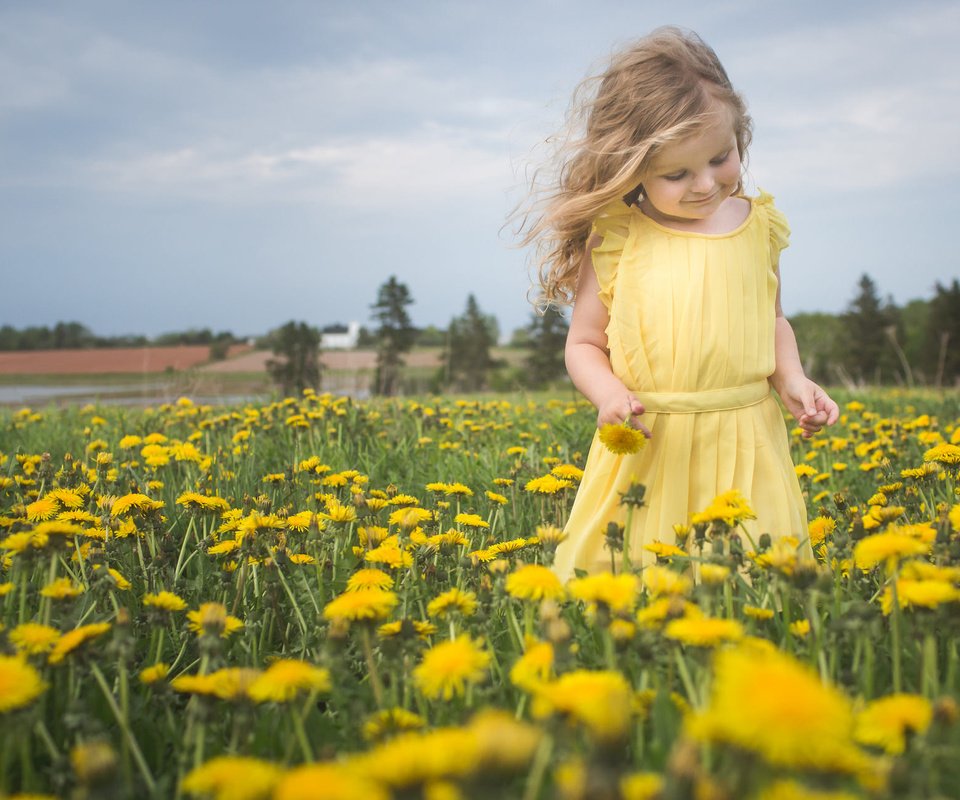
(677, 168)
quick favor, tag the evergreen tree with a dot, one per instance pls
(395, 334)
(868, 327)
(547, 338)
(298, 366)
(942, 349)
(467, 358)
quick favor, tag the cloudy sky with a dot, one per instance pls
(235, 165)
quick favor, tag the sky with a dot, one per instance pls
(235, 165)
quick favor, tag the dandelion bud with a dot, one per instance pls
(94, 763)
(614, 537)
(557, 630)
(946, 711)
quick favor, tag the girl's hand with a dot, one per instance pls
(620, 408)
(810, 405)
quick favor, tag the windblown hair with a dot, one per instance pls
(659, 90)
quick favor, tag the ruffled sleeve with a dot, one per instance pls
(613, 226)
(777, 225)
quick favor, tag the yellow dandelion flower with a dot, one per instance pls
(134, 502)
(621, 439)
(767, 703)
(819, 529)
(616, 592)
(660, 581)
(62, 589)
(20, 683)
(225, 547)
(792, 790)
(391, 721)
(804, 470)
(233, 778)
(600, 700)
(32, 638)
(391, 556)
(641, 786)
(286, 678)
(535, 582)
(407, 627)
(43, 509)
(471, 520)
(664, 550)
(730, 508)
(567, 472)
(447, 668)
(919, 594)
(884, 722)
(534, 667)
(703, 631)
(943, 454)
(370, 604)
(203, 502)
(800, 628)
(369, 579)
(71, 640)
(887, 548)
(494, 497)
(547, 484)
(328, 781)
(758, 613)
(457, 489)
(212, 619)
(409, 517)
(154, 673)
(509, 546)
(453, 601)
(164, 601)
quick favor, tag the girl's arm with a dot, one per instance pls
(810, 405)
(586, 354)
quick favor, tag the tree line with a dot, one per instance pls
(873, 341)
(876, 342)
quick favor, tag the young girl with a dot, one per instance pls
(677, 326)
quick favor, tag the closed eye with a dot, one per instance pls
(675, 176)
(720, 159)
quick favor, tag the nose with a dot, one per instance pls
(703, 182)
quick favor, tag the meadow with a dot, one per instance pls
(325, 598)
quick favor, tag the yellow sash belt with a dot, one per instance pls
(707, 400)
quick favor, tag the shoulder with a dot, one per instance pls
(773, 218)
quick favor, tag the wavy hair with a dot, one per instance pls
(658, 90)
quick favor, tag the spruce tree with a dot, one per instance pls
(467, 359)
(869, 356)
(547, 338)
(942, 339)
(395, 334)
(298, 365)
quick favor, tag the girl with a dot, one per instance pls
(676, 325)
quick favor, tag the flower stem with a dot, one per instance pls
(375, 683)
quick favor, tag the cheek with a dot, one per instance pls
(731, 171)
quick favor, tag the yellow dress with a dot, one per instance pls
(691, 333)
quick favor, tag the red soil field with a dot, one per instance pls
(128, 360)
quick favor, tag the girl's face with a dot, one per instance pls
(689, 180)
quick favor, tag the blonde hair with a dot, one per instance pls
(658, 90)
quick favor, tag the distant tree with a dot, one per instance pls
(869, 327)
(943, 335)
(547, 337)
(819, 335)
(366, 338)
(914, 319)
(298, 366)
(467, 358)
(71, 335)
(395, 334)
(431, 336)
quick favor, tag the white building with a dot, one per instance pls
(340, 337)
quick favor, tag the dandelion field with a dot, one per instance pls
(325, 598)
